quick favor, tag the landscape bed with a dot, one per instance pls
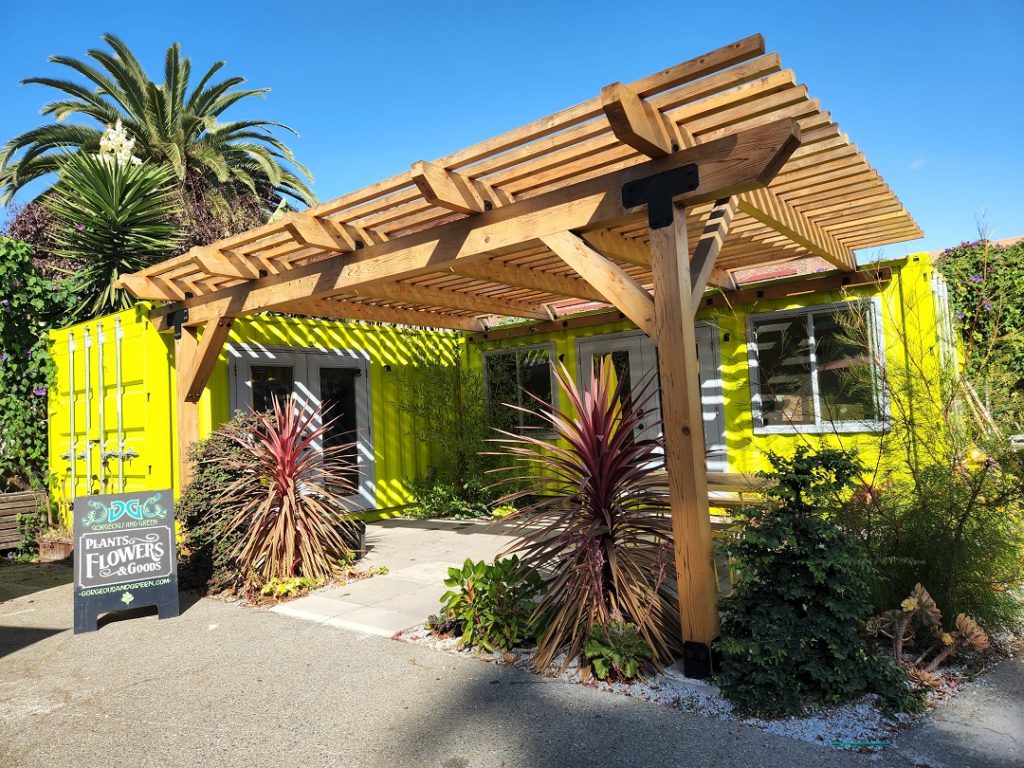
(861, 725)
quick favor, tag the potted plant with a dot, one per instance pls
(56, 541)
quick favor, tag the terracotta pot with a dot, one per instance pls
(51, 551)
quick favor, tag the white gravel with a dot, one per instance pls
(857, 722)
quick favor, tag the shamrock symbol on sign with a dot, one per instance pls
(127, 598)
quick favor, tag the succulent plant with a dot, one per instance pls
(898, 625)
(924, 679)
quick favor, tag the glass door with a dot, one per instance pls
(339, 383)
(331, 385)
(635, 357)
(635, 361)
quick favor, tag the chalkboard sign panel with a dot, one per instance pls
(125, 555)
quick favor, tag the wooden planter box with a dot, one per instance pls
(11, 505)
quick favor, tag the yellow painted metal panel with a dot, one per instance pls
(148, 397)
(84, 420)
(910, 330)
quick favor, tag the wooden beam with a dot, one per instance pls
(204, 359)
(683, 429)
(142, 287)
(778, 289)
(771, 210)
(636, 123)
(187, 411)
(310, 230)
(615, 246)
(439, 297)
(607, 277)
(447, 189)
(346, 310)
(737, 163)
(702, 265)
(500, 273)
(223, 263)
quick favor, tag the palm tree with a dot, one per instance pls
(215, 163)
(110, 218)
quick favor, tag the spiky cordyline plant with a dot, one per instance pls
(597, 526)
(287, 502)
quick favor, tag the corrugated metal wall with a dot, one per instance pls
(112, 411)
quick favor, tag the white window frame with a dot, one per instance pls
(549, 346)
(876, 351)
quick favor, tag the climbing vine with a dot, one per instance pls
(985, 282)
(29, 305)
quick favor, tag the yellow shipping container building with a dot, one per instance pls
(774, 358)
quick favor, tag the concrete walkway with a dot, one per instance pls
(982, 727)
(225, 685)
(418, 554)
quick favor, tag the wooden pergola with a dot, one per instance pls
(642, 198)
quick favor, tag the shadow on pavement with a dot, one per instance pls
(185, 601)
(21, 579)
(15, 638)
(543, 723)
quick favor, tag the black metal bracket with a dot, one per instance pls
(658, 191)
(177, 318)
(700, 660)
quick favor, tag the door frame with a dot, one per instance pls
(709, 359)
(628, 341)
(306, 364)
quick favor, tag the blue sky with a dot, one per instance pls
(932, 92)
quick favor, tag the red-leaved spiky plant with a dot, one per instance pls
(596, 524)
(287, 502)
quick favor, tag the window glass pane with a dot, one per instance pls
(535, 379)
(784, 371)
(620, 367)
(846, 390)
(338, 402)
(269, 381)
(502, 388)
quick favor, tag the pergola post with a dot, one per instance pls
(683, 427)
(194, 359)
(186, 345)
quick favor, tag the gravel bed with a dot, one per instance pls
(862, 725)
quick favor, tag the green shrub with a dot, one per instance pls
(790, 627)
(29, 526)
(492, 605)
(438, 498)
(289, 587)
(617, 651)
(984, 282)
(29, 306)
(206, 562)
(959, 530)
(944, 505)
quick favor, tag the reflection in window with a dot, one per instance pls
(815, 367)
(268, 382)
(338, 405)
(512, 376)
(784, 366)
